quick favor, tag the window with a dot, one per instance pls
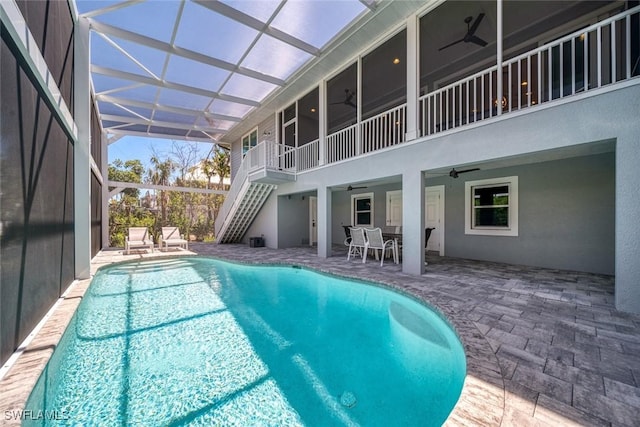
(491, 207)
(362, 210)
(249, 141)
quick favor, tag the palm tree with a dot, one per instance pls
(219, 166)
(160, 174)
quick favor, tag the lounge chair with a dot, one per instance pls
(358, 244)
(172, 236)
(375, 242)
(138, 237)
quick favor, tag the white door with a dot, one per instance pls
(434, 217)
(394, 208)
(313, 220)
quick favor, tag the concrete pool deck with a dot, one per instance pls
(543, 347)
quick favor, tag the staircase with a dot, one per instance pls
(249, 203)
(264, 166)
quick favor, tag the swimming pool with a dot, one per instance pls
(200, 341)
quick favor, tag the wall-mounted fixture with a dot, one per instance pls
(266, 133)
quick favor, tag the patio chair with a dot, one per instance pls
(427, 234)
(375, 240)
(347, 233)
(138, 237)
(358, 244)
(172, 236)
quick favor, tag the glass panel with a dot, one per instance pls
(129, 18)
(166, 116)
(143, 93)
(492, 217)
(384, 76)
(275, 58)
(215, 123)
(308, 121)
(168, 131)
(108, 108)
(342, 99)
(316, 22)
(183, 99)
(195, 74)
(290, 135)
(491, 196)
(253, 138)
(290, 113)
(205, 31)
(246, 87)
(363, 218)
(229, 108)
(103, 83)
(106, 55)
(363, 204)
(261, 10)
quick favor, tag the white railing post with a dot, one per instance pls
(499, 88)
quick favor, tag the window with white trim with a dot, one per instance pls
(249, 141)
(491, 207)
(362, 210)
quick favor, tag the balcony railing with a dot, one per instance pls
(581, 61)
(384, 130)
(587, 59)
(342, 144)
(308, 156)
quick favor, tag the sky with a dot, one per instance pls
(136, 147)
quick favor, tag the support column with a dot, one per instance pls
(324, 222)
(413, 78)
(104, 169)
(81, 151)
(627, 287)
(413, 222)
(322, 123)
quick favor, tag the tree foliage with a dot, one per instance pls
(193, 213)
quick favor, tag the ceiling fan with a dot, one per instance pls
(453, 173)
(348, 99)
(349, 188)
(470, 37)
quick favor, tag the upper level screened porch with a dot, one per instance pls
(600, 56)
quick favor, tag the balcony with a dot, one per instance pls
(600, 56)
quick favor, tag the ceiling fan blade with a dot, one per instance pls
(453, 173)
(477, 40)
(451, 44)
(475, 25)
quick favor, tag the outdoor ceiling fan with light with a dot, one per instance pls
(348, 99)
(453, 173)
(470, 37)
(349, 188)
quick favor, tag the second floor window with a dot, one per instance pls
(249, 141)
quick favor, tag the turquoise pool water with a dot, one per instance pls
(197, 341)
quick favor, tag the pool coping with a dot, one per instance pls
(481, 401)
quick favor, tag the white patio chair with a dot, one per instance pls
(358, 244)
(172, 236)
(375, 240)
(138, 237)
